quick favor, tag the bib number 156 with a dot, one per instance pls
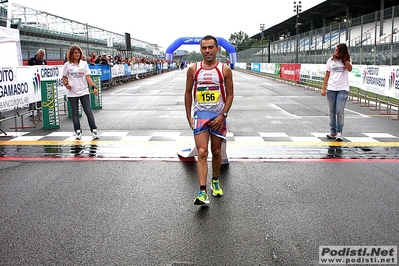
(208, 96)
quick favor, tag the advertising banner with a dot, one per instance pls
(255, 67)
(268, 68)
(96, 100)
(21, 86)
(290, 72)
(313, 71)
(50, 113)
(127, 69)
(14, 93)
(117, 71)
(103, 70)
(356, 76)
(277, 70)
(381, 80)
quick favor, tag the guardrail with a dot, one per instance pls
(372, 86)
(22, 86)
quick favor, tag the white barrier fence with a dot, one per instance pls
(20, 86)
(381, 80)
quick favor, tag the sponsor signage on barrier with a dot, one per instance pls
(50, 113)
(108, 72)
(127, 69)
(290, 72)
(13, 92)
(313, 72)
(104, 71)
(382, 80)
(22, 85)
(356, 76)
(96, 100)
(240, 65)
(135, 70)
(54, 73)
(277, 70)
(255, 67)
(117, 71)
(268, 68)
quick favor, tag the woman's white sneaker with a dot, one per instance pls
(95, 134)
(331, 136)
(78, 134)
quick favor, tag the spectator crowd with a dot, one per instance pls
(104, 59)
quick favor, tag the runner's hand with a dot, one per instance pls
(217, 123)
(191, 122)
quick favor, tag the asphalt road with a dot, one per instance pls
(128, 200)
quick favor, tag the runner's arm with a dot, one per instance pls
(188, 98)
(228, 79)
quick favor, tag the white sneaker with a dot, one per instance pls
(331, 136)
(95, 134)
(339, 136)
(78, 134)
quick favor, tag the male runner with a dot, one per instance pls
(209, 94)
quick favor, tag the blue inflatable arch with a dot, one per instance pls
(197, 40)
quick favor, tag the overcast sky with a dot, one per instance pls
(162, 22)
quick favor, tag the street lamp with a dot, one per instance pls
(262, 28)
(297, 10)
(87, 39)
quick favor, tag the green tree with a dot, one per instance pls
(241, 41)
(194, 57)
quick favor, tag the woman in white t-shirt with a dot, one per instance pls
(76, 78)
(336, 81)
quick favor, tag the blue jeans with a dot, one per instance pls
(336, 105)
(85, 102)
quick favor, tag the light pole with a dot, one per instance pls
(297, 9)
(262, 28)
(87, 39)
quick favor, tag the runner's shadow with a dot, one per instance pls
(224, 169)
(202, 212)
(190, 167)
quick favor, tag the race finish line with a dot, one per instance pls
(185, 151)
(190, 154)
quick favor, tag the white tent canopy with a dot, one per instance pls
(10, 48)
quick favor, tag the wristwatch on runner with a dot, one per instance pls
(225, 114)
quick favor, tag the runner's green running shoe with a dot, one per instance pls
(202, 198)
(216, 190)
